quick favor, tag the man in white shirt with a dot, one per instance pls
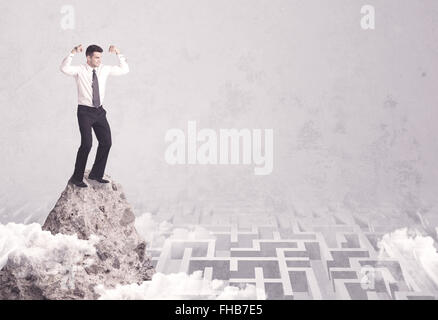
(91, 80)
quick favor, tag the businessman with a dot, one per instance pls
(91, 80)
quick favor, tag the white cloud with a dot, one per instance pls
(152, 232)
(416, 254)
(38, 247)
(177, 286)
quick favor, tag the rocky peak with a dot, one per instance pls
(99, 214)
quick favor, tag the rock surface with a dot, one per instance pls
(101, 215)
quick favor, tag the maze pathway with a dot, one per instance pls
(290, 256)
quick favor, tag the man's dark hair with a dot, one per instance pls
(91, 49)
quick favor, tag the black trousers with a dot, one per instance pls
(91, 117)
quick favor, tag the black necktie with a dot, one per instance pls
(95, 86)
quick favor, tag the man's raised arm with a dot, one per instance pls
(123, 67)
(66, 66)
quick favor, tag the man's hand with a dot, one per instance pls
(77, 49)
(113, 49)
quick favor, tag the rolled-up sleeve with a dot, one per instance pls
(122, 68)
(66, 66)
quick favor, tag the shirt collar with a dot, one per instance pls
(90, 68)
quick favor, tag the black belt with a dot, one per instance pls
(81, 106)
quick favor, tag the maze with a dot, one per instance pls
(291, 256)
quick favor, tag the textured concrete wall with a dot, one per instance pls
(353, 111)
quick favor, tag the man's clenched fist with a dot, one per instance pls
(113, 49)
(77, 49)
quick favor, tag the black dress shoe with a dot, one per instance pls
(98, 179)
(77, 183)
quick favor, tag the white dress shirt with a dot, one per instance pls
(84, 77)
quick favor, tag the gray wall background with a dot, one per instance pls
(354, 112)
